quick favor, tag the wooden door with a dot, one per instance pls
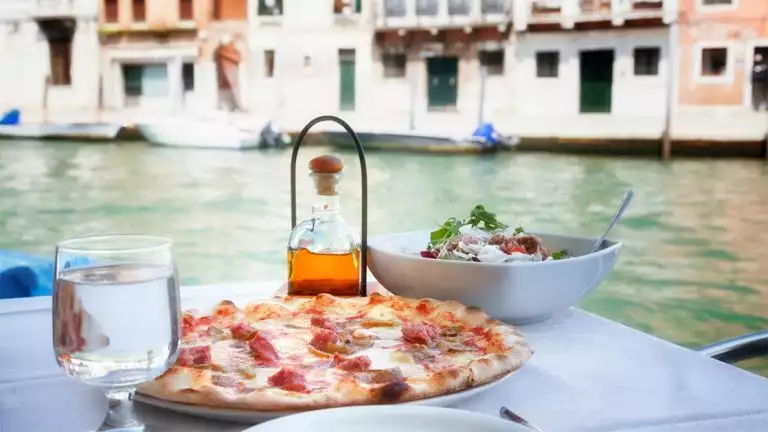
(442, 81)
(347, 80)
(596, 72)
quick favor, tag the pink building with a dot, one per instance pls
(723, 54)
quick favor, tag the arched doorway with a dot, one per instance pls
(227, 58)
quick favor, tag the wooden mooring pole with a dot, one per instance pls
(666, 137)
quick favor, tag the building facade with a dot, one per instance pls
(48, 50)
(535, 68)
(724, 54)
(163, 56)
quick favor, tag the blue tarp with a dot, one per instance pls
(24, 275)
(12, 117)
(486, 133)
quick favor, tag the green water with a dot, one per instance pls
(695, 234)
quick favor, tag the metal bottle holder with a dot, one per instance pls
(364, 180)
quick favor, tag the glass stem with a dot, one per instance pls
(120, 414)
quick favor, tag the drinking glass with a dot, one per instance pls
(116, 316)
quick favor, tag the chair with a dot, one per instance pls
(737, 349)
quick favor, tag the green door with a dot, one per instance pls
(596, 68)
(347, 80)
(442, 81)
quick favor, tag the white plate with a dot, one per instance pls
(248, 416)
(388, 419)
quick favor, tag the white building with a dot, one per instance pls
(596, 68)
(48, 59)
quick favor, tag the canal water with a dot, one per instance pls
(695, 235)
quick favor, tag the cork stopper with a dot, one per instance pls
(326, 164)
(326, 171)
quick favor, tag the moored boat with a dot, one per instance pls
(210, 133)
(11, 127)
(484, 139)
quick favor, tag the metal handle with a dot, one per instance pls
(364, 181)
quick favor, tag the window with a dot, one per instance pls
(269, 63)
(714, 62)
(61, 61)
(716, 2)
(307, 63)
(647, 61)
(458, 7)
(426, 7)
(144, 80)
(139, 11)
(347, 6)
(394, 65)
(394, 8)
(186, 12)
(492, 6)
(493, 61)
(110, 11)
(547, 64)
(270, 7)
(188, 76)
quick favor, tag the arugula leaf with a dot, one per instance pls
(448, 229)
(479, 215)
(560, 255)
(519, 230)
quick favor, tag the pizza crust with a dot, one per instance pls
(194, 385)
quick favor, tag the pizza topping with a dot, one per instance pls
(425, 307)
(225, 308)
(289, 379)
(424, 334)
(381, 376)
(325, 340)
(195, 356)
(227, 381)
(323, 322)
(188, 322)
(370, 323)
(420, 353)
(446, 345)
(242, 331)
(263, 349)
(352, 364)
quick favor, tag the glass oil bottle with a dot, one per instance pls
(323, 252)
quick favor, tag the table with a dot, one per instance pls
(587, 374)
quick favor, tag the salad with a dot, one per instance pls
(482, 238)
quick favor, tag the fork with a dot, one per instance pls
(506, 414)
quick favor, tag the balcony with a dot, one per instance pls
(569, 12)
(437, 14)
(52, 8)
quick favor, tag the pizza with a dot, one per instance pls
(300, 353)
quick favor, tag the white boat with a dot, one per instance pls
(63, 131)
(199, 133)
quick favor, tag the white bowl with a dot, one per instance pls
(517, 293)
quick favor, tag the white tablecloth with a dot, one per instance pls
(587, 374)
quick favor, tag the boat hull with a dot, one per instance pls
(61, 131)
(198, 134)
(408, 142)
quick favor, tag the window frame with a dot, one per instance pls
(557, 64)
(727, 77)
(657, 49)
(703, 7)
(384, 63)
(482, 56)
